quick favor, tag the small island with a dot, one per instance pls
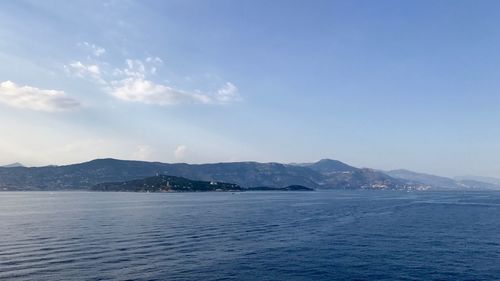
(288, 188)
(164, 183)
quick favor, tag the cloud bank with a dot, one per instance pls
(145, 91)
(32, 98)
(132, 83)
(136, 87)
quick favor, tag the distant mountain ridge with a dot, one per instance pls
(438, 182)
(324, 174)
(491, 180)
(431, 180)
(327, 174)
(13, 165)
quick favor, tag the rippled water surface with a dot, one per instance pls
(250, 236)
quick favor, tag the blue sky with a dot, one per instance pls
(381, 84)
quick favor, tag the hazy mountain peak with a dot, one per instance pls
(331, 166)
(13, 165)
(328, 161)
(443, 182)
(491, 180)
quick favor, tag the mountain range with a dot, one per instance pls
(324, 174)
(442, 182)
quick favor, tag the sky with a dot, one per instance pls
(379, 84)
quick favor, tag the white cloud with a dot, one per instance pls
(135, 68)
(96, 50)
(143, 152)
(180, 152)
(132, 84)
(154, 60)
(32, 98)
(91, 68)
(135, 89)
(86, 71)
(228, 93)
(81, 70)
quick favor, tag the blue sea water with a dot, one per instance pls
(337, 235)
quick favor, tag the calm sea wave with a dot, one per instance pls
(338, 235)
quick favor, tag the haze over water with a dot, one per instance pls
(321, 235)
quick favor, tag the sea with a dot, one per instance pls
(320, 235)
